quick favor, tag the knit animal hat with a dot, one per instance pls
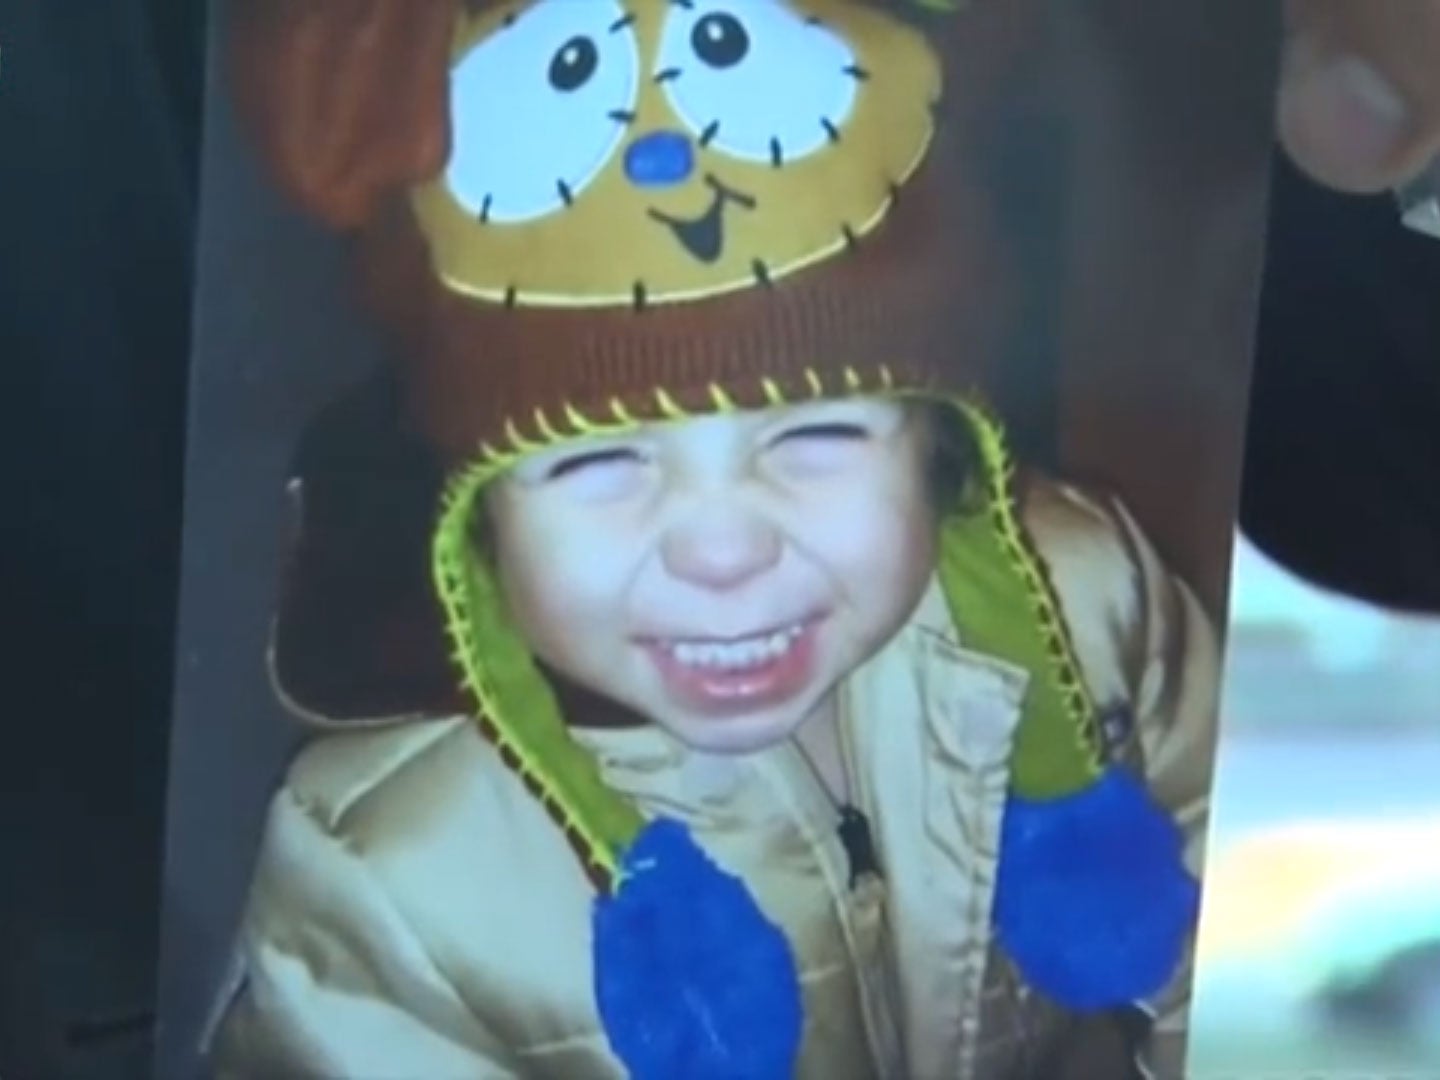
(575, 217)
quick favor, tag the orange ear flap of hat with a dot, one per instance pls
(345, 100)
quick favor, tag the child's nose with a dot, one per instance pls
(659, 159)
(721, 548)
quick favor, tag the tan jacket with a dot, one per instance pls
(415, 914)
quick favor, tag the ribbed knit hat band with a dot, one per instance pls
(892, 313)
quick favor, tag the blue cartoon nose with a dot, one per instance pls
(660, 159)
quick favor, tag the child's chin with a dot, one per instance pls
(744, 734)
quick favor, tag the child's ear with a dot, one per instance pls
(346, 100)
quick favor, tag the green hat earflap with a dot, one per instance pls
(1093, 901)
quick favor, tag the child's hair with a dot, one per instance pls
(954, 459)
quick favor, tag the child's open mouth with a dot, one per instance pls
(726, 674)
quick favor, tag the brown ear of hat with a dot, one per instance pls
(357, 635)
(347, 100)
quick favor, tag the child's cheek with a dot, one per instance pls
(569, 597)
(561, 560)
(878, 521)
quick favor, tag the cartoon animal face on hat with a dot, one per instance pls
(617, 152)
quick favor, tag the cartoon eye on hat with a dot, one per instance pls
(608, 153)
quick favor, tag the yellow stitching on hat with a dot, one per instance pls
(622, 419)
(546, 430)
(669, 407)
(622, 414)
(521, 444)
(581, 423)
(721, 400)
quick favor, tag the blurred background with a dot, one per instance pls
(1320, 936)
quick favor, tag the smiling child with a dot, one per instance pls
(806, 734)
(735, 568)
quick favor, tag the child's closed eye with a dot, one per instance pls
(593, 474)
(591, 461)
(833, 430)
(819, 448)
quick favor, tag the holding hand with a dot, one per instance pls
(1360, 91)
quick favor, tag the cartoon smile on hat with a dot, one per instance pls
(608, 153)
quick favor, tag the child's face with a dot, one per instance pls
(721, 575)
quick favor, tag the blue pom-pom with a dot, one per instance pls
(1093, 902)
(691, 979)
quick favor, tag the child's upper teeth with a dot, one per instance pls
(731, 655)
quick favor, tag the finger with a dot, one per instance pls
(1359, 106)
